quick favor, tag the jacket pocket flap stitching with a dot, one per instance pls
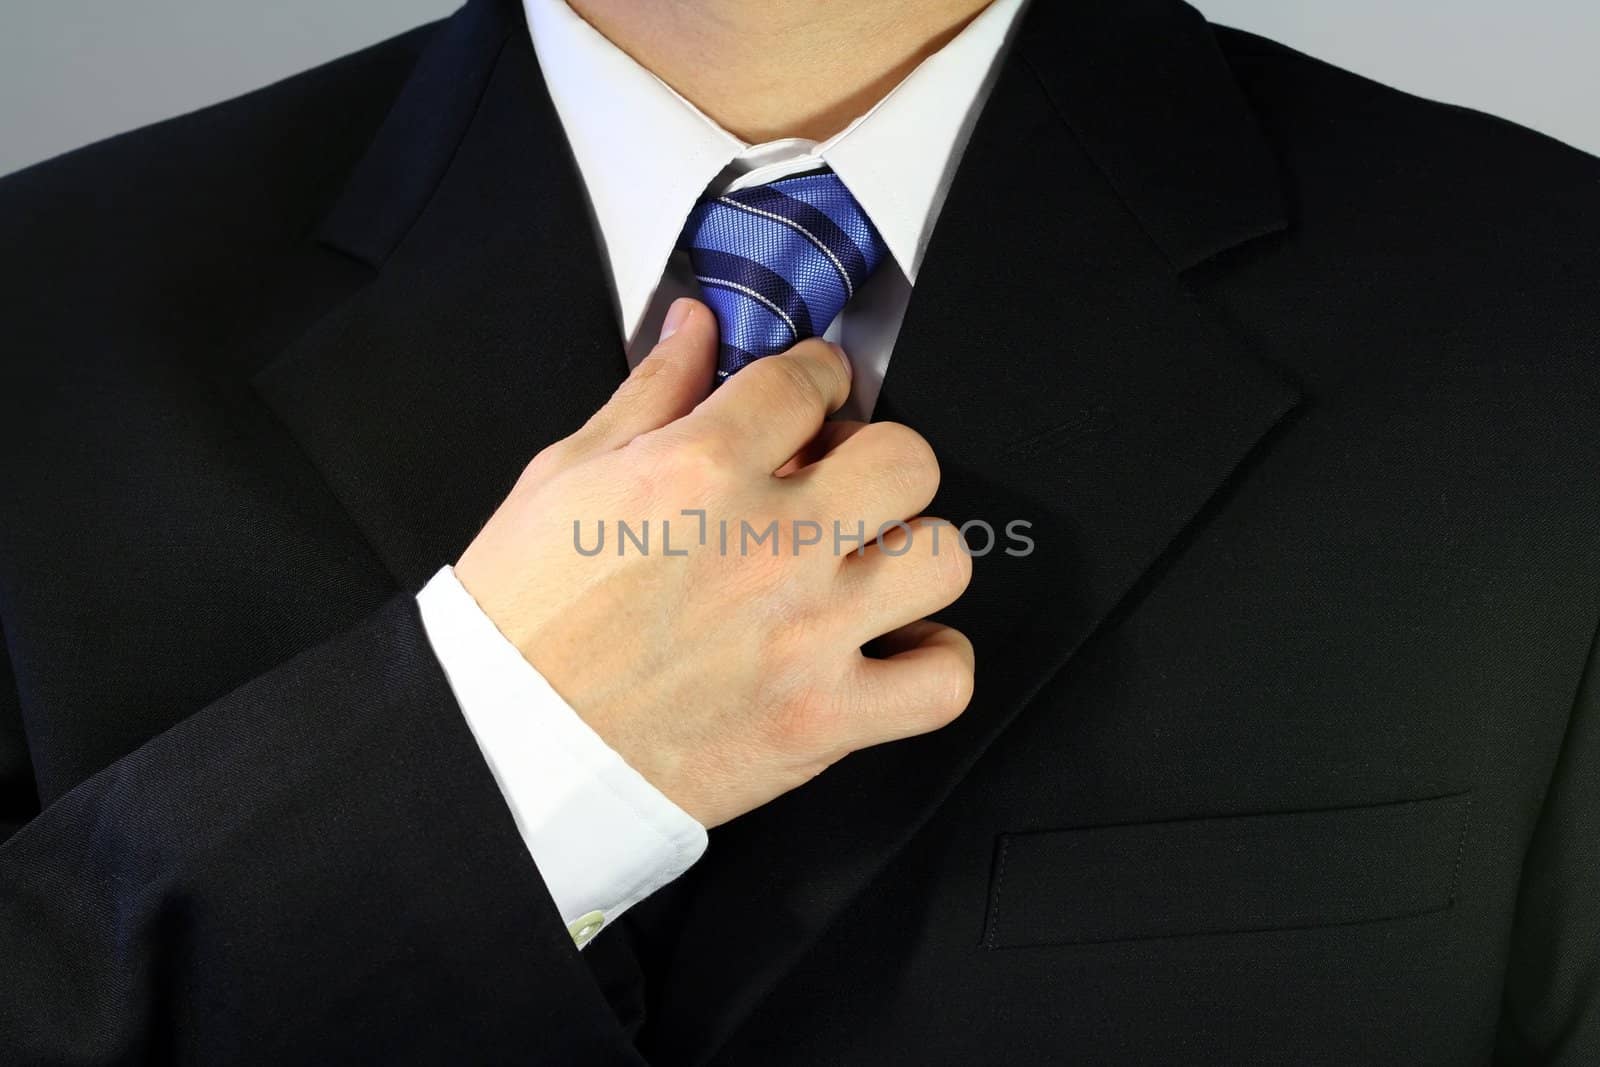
(1233, 874)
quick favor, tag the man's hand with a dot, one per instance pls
(730, 674)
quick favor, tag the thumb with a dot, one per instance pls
(665, 386)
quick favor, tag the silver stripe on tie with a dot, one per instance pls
(753, 295)
(793, 225)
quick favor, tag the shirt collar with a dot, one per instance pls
(646, 154)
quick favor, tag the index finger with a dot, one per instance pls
(770, 409)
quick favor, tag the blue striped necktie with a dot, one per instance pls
(778, 262)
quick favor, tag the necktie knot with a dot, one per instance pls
(778, 262)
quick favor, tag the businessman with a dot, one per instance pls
(472, 586)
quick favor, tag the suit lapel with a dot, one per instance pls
(1066, 377)
(486, 330)
(1052, 354)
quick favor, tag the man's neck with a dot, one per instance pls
(766, 69)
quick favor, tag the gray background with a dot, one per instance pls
(74, 71)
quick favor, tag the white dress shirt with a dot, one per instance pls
(602, 836)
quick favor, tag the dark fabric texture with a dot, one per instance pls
(1285, 745)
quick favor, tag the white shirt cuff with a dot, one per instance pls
(602, 836)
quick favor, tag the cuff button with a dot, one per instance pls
(584, 927)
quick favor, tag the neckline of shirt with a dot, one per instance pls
(647, 154)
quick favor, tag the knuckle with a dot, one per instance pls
(546, 463)
(702, 459)
(651, 367)
(638, 384)
(792, 383)
(951, 690)
(596, 429)
(806, 716)
(952, 561)
(815, 350)
(807, 724)
(909, 455)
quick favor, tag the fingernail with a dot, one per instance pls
(849, 371)
(676, 314)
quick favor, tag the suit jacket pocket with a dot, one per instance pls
(1226, 875)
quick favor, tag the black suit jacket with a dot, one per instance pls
(1285, 747)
